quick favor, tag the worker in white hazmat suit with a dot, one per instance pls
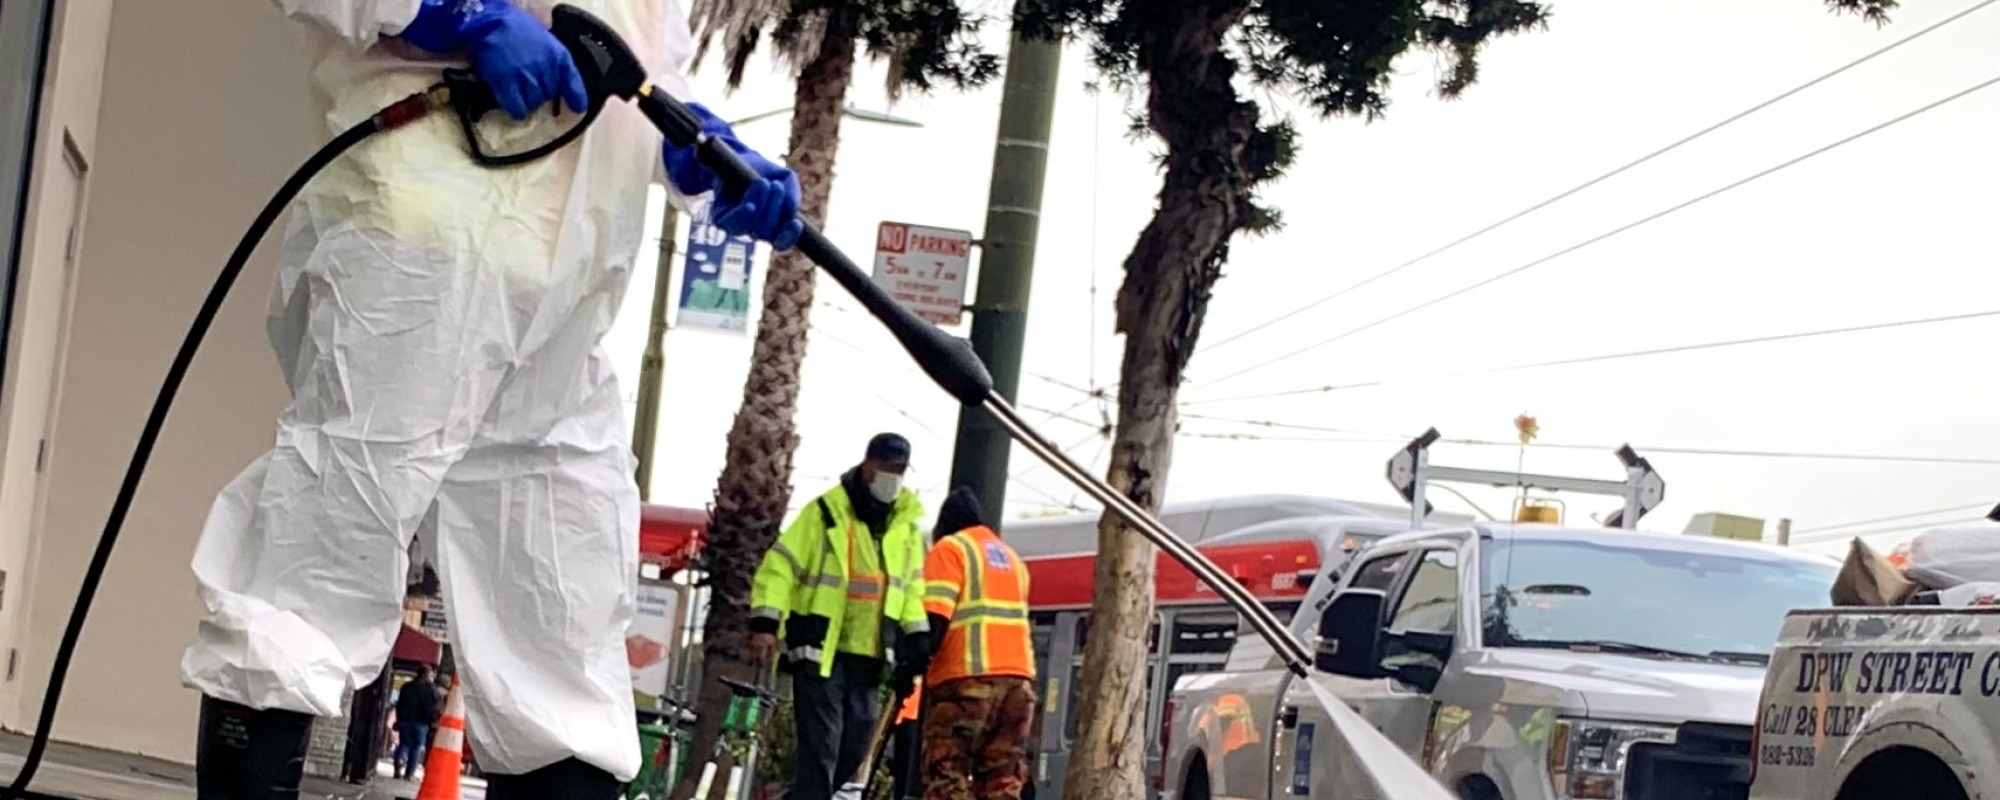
(438, 324)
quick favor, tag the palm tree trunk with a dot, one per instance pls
(755, 486)
(1204, 201)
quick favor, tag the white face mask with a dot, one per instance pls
(885, 486)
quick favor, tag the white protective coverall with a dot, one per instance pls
(438, 325)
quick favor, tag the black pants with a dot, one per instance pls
(907, 739)
(835, 716)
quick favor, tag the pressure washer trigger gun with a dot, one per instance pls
(609, 69)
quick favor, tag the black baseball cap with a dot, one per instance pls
(890, 449)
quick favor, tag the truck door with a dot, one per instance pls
(1198, 640)
(1428, 603)
(1304, 748)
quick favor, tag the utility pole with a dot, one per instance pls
(646, 421)
(1785, 532)
(1007, 259)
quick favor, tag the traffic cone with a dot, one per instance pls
(447, 757)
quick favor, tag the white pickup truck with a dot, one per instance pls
(1882, 704)
(1594, 665)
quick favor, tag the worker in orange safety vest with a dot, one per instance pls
(981, 676)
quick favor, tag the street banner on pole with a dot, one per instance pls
(715, 278)
(924, 269)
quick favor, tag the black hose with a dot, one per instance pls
(156, 420)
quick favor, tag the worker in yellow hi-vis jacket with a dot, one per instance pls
(844, 585)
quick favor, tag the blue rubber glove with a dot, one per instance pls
(768, 210)
(512, 51)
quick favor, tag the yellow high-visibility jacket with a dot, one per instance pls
(800, 589)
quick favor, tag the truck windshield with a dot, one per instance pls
(1657, 602)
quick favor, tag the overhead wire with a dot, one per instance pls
(1265, 437)
(1559, 362)
(1657, 215)
(1079, 389)
(1894, 518)
(1885, 531)
(926, 428)
(1297, 426)
(1565, 194)
(1647, 449)
(1733, 453)
(1019, 478)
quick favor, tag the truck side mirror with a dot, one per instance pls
(1350, 634)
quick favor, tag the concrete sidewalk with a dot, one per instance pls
(86, 773)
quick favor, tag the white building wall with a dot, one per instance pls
(203, 113)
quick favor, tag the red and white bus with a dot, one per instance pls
(1277, 545)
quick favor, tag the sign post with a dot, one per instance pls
(924, 269)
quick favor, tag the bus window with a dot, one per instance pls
(1204, 632)
(1152, 634)
(1177, 669)
(1042, 632)
(1077, 695)
(1075, 715)
(1283, 611)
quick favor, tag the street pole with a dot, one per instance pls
(1007, 259)
(646, 422)
(1785, 532)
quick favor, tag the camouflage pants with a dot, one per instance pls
(976, 738)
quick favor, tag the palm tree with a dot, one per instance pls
(925, 42)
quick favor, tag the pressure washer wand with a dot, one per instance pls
(951, 363)
(611, 70)
(948, 360)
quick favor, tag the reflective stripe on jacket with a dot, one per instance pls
(979, 583)
(803, 580)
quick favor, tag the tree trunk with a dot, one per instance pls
(1204, 201)
(755, 486)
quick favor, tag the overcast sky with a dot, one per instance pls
(1901, 224)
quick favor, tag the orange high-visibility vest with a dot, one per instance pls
(979, 583)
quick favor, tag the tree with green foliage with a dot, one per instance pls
(1189, 61)
(926, 43)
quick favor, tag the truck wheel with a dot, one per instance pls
(1196, 787)
(1902, 773)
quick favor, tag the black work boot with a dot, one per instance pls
(247, 754)
(568, 779)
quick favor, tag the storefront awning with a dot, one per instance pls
(413, 645)
(670, 536)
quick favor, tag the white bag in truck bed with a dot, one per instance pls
(1947, 557)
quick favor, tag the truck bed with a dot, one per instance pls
(1851, 688)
